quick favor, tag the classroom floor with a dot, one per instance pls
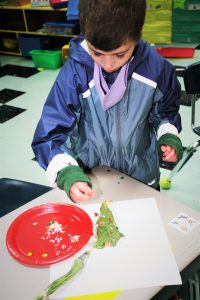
(17, 158)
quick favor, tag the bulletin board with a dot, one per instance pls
(158, 23)
(186, 21)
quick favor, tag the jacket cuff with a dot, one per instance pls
(166, 128)
(69, 175)
(59, 162)
(173, 141)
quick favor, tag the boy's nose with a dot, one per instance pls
(109, 64)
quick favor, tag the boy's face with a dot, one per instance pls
(115, 59)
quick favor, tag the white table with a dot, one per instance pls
(19, 282)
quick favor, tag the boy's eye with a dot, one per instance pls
(96, 53)
(121, 55)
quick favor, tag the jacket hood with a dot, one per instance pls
(79, 53)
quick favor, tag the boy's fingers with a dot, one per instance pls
(85, 188)
(166, 149)
(163, 148)
(79, 197)
(81, 191)
(170, 156)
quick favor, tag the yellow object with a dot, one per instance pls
(9, 43)
(41, 69)
(44, 255)
(65, 50)
(104, 296)
(165, 183)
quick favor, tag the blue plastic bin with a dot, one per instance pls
(26, 44)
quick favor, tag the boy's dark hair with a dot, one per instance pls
(107, 24)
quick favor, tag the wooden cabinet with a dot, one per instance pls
(27, 22)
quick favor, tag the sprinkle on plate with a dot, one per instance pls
(44, 255)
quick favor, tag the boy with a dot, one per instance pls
(114, 103)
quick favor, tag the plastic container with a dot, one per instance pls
(26, 44)
(61, 27)
(47, 59)
(176, 52)
(39, 3)
(58, 3)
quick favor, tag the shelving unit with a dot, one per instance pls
(27, 21)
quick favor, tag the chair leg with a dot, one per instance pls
(193, 102)
(194, 287)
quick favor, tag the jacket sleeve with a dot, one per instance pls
(58, 117)
(165, 112)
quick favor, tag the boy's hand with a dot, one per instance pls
(170, 148)
(81, 191)
(169, 153)
(75, 183)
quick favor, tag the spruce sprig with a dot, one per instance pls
(52, 287)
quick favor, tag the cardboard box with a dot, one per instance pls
(17, 2)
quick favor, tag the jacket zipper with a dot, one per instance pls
(118, 138)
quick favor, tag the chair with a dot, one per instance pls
(15, 193)
(192, 86)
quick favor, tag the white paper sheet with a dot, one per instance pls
(143, 258)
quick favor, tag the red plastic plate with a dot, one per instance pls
(174, 52)
(48, 233)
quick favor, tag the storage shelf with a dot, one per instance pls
(10, 31)
(38, 33)
(27, 20)
(11, 52)
(30, 7)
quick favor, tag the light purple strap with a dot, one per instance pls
(110, 97)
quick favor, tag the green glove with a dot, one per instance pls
(173, 141)
(69, 175)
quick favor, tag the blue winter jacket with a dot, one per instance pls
(123, 137)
